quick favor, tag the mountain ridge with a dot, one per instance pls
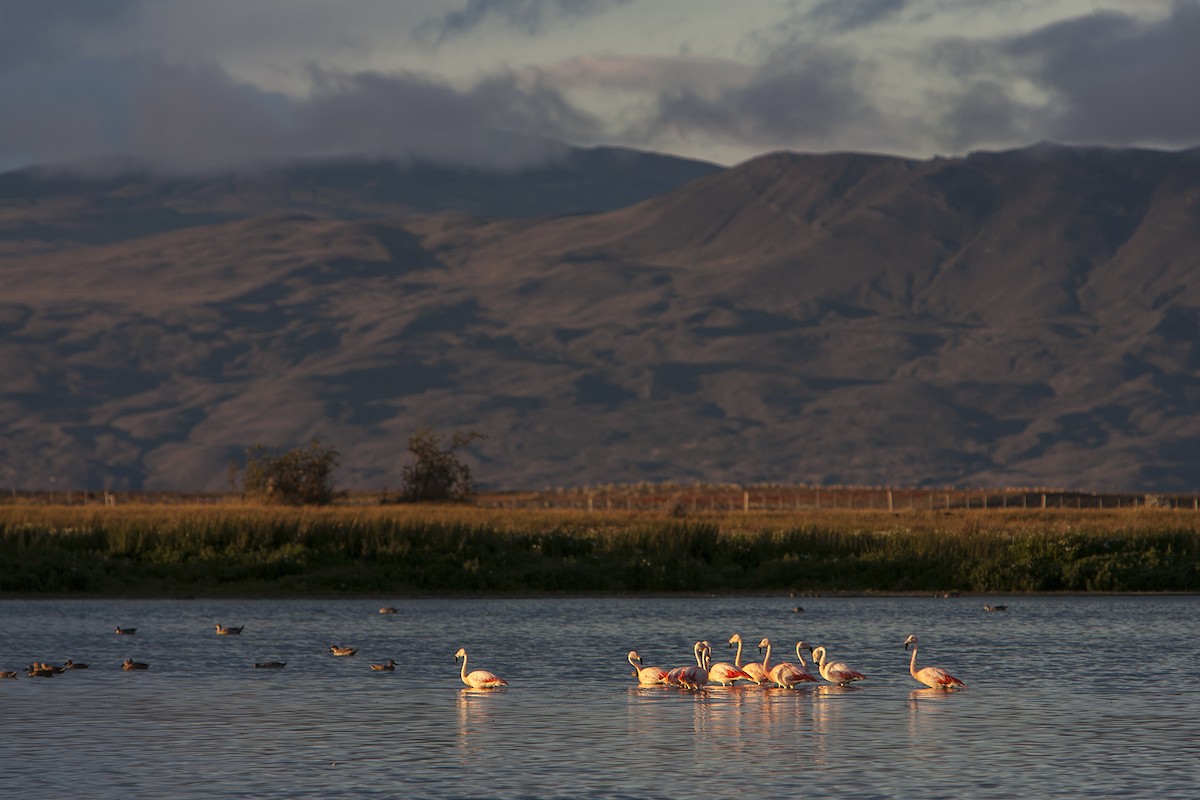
(1022, 318)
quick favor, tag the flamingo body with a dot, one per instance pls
(787, 675)
(837, 672)
(725, 674)
(647, 676)
(933, 677)
(480, 678)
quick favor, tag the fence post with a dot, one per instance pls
(745, 502)
(889, 491)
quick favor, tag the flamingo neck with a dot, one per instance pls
(767, 658)
(464, 668)
(803, 663)
(912, 664)
(737, 659)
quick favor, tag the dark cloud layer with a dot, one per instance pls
(528, 16)
(1109, 78)
(842, 16)
(801, 93)
(75, 84)
(1119, 80)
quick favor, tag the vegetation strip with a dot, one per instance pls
(230, 550)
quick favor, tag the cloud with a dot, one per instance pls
(183, 117)
(802, 94)
(47, 31)
(413, 116)
(1119, 79)
(528, 16)
(842, 16)
(1104, 77)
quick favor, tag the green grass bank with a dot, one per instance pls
(246, 551)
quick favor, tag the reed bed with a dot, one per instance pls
(234, 549)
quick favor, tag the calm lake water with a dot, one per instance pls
(1066, 697)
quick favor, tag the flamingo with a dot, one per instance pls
(480, 678)
(647, 676)
(754, 671)
(786, 675)
(722, 672)
(690, 677)
(765, 666)
(933, 677)
(835, 671)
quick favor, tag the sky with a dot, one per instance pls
(193, 85)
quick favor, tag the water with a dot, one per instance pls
(1066, 697)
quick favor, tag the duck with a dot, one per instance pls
(42, 666)
(69, 664)
(38, 670)
(387, 666)
(130, 664)
(126, 631)
(8, 674)
(987, 607)
(270, 664)
(387, 610)
(222, 630)
(342, 650)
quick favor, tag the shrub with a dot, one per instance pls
(302, 476)
(436, 474)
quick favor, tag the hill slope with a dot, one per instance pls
(1016, 318)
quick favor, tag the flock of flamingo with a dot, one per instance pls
(786, 674)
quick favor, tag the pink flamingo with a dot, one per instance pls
(753, 669)
(647, 676)
(765, 666)
(933, 677)
(722, 672)
(480, 678)
(787, 674)
(835, 671)
(690, 677)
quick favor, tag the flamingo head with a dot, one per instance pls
(910, 640)
(633, 656)
(764, 644)
(462, 653)
(735, 639)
